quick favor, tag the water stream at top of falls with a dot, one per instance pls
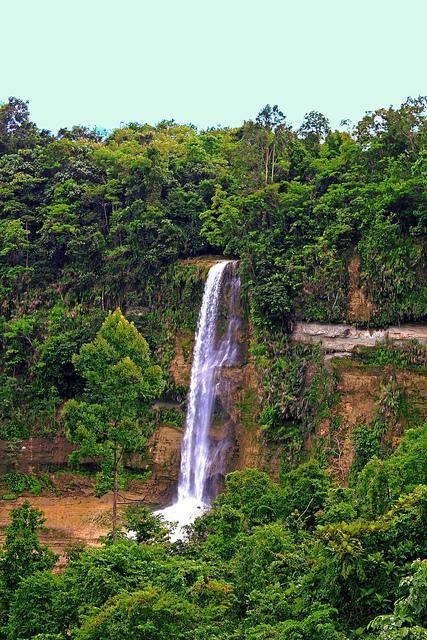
(209, 356)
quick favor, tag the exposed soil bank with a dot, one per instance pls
(77, 517)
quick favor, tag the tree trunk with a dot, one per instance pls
(28, 244)
(115, 496)
(272, 162)
(104, 207)
(267, 153)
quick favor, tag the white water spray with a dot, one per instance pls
(208, 357)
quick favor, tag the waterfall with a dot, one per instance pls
(209, 356)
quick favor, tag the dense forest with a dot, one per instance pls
(91, 223)
(98, 228)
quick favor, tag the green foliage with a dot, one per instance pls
(171, 416)
(408, 354)
(155, 615)
(385, 253)
(120, 382)
(22, 554)
(41, 589)
(145, 526)
(267, 556)
(409, 617)
(297, 390)
(382, 481)
(305, 490)
(300, 559)
(252, 493)
(21, 482)
(90, 224)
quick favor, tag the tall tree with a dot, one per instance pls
(16, 129)
(272, 122)
(120, 383)
(315, 125)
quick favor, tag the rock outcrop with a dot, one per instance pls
(164, 452)
(343, 339)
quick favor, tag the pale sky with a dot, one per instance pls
(209, 62)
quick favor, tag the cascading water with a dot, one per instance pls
(209, 355)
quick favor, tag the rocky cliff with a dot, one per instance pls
(235, 430)
(343, 339)
(236, 434)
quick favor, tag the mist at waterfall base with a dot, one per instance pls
(209, 356)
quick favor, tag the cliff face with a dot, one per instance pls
(35, 455)
(359, 391)
(237, 441)
(360, 307)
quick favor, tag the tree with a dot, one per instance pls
(14, 247)
(272, 121)
(305, 490)
(34, 609)
(16, 129)
(270, 117)
(149, 613)
(120, 383)
(409, 618)
(79, 132)
(22, 554)
(146, 526)
(316, 124)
